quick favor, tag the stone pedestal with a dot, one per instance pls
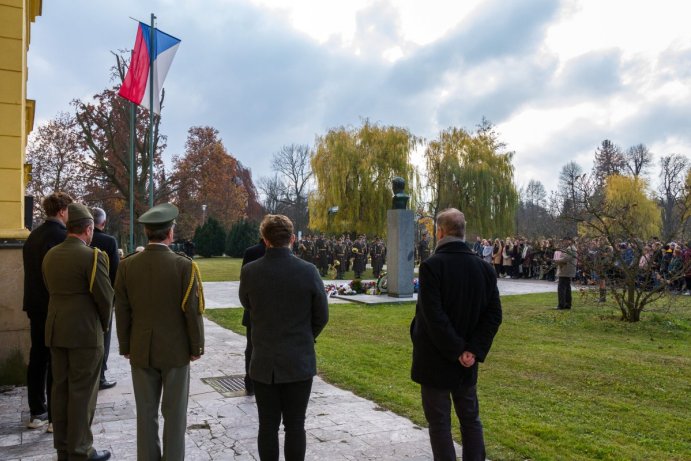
(400, 253)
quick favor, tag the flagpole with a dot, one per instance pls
(133, 168)
(152, 55)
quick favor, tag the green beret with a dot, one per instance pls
(77, 212)
(160, 217)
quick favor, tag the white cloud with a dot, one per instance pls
(556, 77)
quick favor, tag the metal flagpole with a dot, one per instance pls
(133, 169)
(152, 54)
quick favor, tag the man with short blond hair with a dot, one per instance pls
(457, 315)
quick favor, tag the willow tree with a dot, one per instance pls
(353, 169)
(470, 172)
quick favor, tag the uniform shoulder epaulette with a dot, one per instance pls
(183, 254)
(196, 276)
(128, 255)
(94, 266)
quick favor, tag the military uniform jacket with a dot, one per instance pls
(81, 296)
(158, 308)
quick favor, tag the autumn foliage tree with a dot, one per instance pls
(353, 169)
(57, 159)
(207, 175)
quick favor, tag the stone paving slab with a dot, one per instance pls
(339, 426)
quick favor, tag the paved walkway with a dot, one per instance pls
(225, 294)
(340, 425)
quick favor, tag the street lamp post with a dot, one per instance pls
(203, 214)
(331, 212)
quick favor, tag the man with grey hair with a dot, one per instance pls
(109, 245)
(457, 315)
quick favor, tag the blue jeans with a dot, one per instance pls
(286, 401)
(436, 404)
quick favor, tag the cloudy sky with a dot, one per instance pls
(555, 77)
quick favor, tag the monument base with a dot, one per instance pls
(400, 253)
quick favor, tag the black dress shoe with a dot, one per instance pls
(99, 455)
(106, 385)
(562, 308)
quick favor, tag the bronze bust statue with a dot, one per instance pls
(400, 198)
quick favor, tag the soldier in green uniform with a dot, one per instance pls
(359, 256)
(377, 255)
(348, 252)
(339, 258)
(309, 250)
(159, 304)
(79, 312)
(322, 261)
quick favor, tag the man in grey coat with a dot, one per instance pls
(287, 303)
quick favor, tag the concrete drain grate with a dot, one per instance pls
(227, 386)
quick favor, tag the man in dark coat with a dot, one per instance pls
(457, 315)
(109, 246)
(423, 248)
(251, 254)
(49, 234)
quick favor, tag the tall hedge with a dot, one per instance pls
(209, 239)
(242, 234)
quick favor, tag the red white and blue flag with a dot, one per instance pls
(136, 86)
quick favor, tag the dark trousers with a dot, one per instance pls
(106, 349)
(287, 401)
(436, 403)
(564, 292)
(39, 376)
(249, 385)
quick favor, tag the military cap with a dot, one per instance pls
(77, 212)
(160, 217)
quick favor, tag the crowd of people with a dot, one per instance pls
(657, 262)
(75, 279)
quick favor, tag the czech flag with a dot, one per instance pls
(136, 85)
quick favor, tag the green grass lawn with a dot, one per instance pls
(219, 269)
(222, 269)
(573, 385)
